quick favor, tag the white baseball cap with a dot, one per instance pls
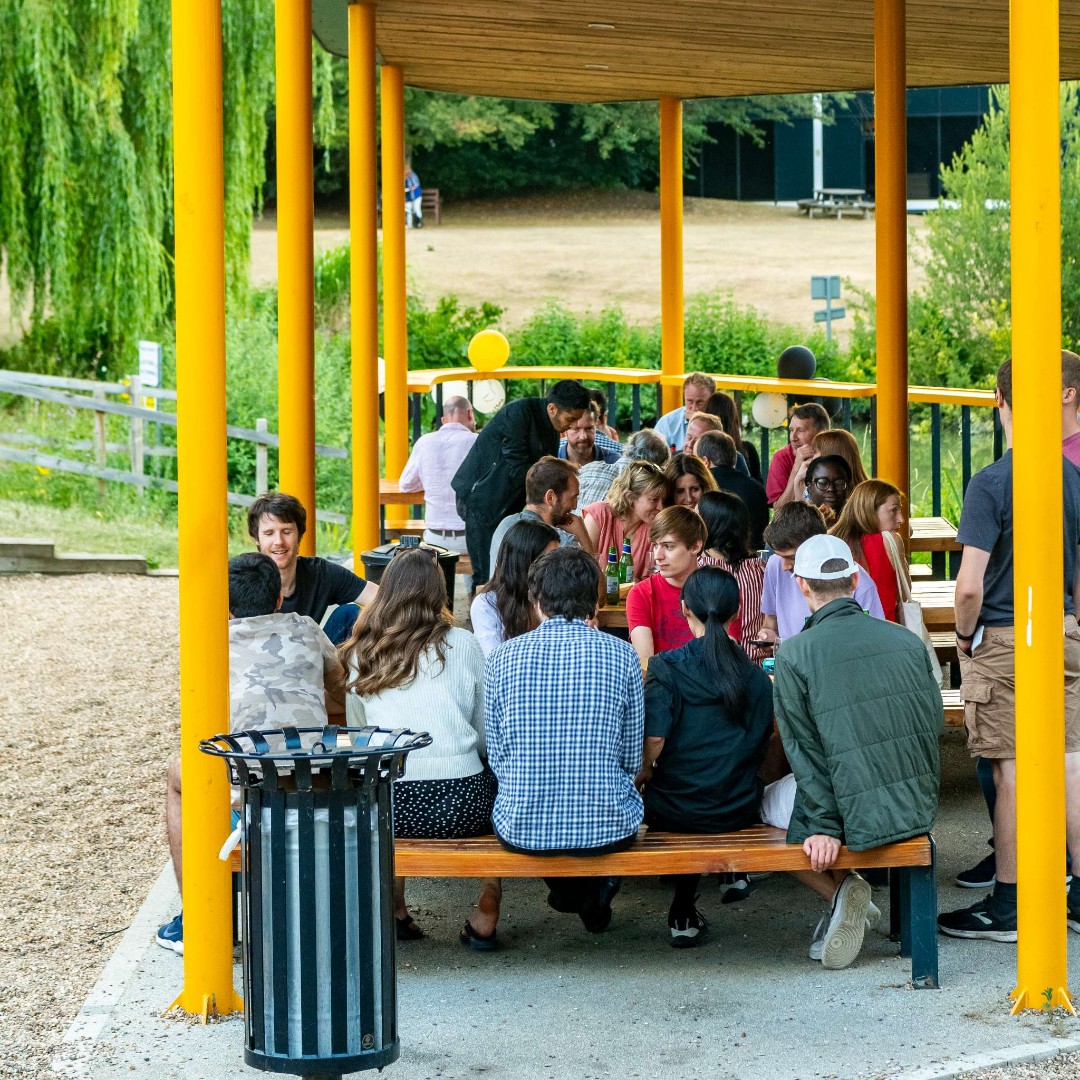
(811, 555)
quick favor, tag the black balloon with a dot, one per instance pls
(796, 362)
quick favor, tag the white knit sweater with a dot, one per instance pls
(445, 700)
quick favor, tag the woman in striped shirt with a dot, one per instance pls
(728, 546)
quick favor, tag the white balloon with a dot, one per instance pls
(488, 395)
(769, 410)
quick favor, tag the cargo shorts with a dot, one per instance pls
(988, 687)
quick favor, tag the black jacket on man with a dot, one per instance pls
(752, 495)
(490, 482)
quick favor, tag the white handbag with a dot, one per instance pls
(910, 610)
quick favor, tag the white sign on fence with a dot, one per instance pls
(150, 363)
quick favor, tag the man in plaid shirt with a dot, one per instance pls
(564, 718)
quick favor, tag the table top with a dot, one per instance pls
(934, 534)
(612, 616)
(938, 600)
(842, 192)
(390, 492)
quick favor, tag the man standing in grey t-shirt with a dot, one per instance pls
(985, 643)
(551, 496)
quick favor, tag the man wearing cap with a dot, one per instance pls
(860, 714)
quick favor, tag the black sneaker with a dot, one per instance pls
(980, 876)
(979, 921)
(688, 928)
(734, 887)
(596, 916)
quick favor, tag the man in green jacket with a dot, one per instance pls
(859, 714)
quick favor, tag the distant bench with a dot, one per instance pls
(913, 885)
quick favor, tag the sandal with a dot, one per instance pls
(472, 940)
(406, 929)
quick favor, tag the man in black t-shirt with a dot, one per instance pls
(985, 643)
(717, 449)
(309, 585)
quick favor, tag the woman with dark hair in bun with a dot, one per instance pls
(708, 719)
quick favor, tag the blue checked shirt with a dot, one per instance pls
(564, 717)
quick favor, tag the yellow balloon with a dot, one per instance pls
(488, 350)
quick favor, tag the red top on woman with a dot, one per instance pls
(879, 566)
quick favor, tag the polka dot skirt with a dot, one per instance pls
(444, 809)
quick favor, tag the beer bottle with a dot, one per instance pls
(612, 576)
(626, 565)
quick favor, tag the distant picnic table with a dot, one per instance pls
(836, 202)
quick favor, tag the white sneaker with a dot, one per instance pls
(873, 917)
(847, 923)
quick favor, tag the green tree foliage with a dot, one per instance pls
(86, 167)
(960, 324)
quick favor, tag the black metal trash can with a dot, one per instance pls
(378, 559)
(317, 914)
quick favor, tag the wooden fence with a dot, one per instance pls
(93, 395)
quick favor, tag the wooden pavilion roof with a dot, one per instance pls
(600, 50)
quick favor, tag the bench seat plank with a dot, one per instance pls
(756, 849)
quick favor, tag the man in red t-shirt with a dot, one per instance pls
(653, 610)
(804, 423)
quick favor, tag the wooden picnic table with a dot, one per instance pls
(390, 493)
(934, 534)
(938, 599)
(612, 616)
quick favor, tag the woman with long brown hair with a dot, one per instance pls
(868, 524)
(404, 659)
(690, 479)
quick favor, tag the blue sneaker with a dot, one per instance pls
(171, 935)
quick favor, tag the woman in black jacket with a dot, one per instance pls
(708, 718)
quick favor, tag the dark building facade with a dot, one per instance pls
(940, 121)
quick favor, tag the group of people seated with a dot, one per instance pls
(563, 739)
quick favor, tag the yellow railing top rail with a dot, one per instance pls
(421, 382)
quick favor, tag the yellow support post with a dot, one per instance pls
(671, 248)
(1037, 505)
(395, 340)
(890, 214)
(296, 258)
(363, 280)
(204, 528)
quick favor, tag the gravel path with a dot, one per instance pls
(88, 720)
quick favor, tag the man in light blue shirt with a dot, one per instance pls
(697, 389)
(564, 715)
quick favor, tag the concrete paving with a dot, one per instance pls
(556, 1002)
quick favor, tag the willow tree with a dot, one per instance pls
(86, 166)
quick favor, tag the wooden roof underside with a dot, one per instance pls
(573, 50)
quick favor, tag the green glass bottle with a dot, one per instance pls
(611, 576)
(626, 564)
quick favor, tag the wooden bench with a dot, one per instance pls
(431, 203)
(954, 708)
(912, 881)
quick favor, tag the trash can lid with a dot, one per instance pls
(385, 552)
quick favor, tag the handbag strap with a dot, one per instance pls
(892, 549)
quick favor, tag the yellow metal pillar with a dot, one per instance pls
(296, 258)
(395, 339)
(204, 529)
(890, 197)
(363, 280)
(1037, 504)
(671, 247)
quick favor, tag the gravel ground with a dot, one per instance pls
(88, 720)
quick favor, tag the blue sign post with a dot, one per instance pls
(827, 288)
